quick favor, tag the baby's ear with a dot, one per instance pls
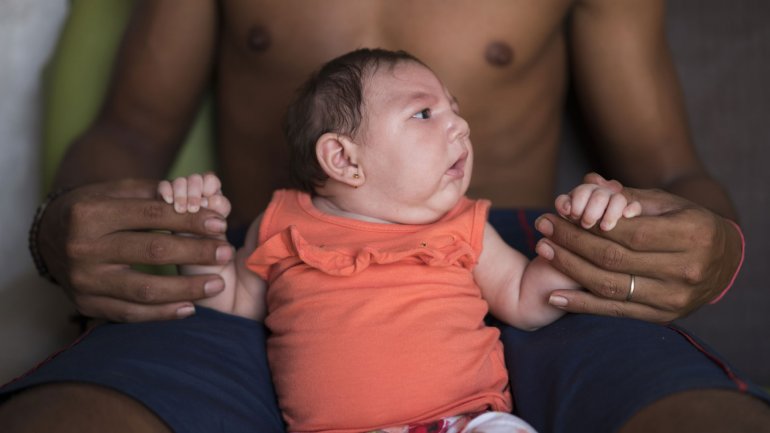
(338, 155)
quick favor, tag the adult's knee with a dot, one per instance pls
(703, 411)
(75, 407)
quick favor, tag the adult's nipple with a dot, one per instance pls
(499, 54)
(259, 38)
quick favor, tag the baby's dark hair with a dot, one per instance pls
(331, 100)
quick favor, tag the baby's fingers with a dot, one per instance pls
(599, 180)
(595, 208)
(194, 191)
(179, 186)
(563, 205)
(579, 199)
(633, 209)
(219, 204)
(211, 184)
(614, 211)
(166, 191)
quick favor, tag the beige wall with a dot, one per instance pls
(31, 311)
(722, 50)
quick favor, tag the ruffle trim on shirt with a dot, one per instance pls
(290, 244)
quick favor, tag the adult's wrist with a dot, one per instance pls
(34, 230)
(740, 263)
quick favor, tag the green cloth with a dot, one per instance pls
(76, 79)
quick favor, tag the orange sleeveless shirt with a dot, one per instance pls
(376, 325)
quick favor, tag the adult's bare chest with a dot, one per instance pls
(490, 40)
(489, 54)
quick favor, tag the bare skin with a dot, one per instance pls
(508, 66)
(59, 408)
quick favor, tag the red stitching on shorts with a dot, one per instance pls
(529, 234)
(742, 386)
(50, 358)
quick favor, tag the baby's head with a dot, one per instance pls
(378, 131)
(331, 101)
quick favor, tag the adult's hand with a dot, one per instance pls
(681, 255)
(91, 235)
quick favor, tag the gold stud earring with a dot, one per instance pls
(356, 176)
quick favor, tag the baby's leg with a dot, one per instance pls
(498, 422)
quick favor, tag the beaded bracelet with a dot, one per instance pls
(34, 229)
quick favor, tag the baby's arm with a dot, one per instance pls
(243, 294)
(517, 290)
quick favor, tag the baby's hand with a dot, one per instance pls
(189, 194)
(590, 203)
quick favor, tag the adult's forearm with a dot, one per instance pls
(704, 190)
(104, 154)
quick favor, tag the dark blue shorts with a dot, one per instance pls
(208, 373)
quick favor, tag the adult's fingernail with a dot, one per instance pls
(558, 301)
(187, 310)
(544, 250)
(215, 225)
(213, 287)
(544, 226)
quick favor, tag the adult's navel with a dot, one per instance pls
(499, 54)
(259, 38)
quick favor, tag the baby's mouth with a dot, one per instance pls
(458, 168)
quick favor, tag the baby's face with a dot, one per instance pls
(416, 149)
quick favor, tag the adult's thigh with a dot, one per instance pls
(206, 373)
(587, 373)
(76, 408)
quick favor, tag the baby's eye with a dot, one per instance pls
(424, 114)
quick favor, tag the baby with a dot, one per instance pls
(375, 275)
